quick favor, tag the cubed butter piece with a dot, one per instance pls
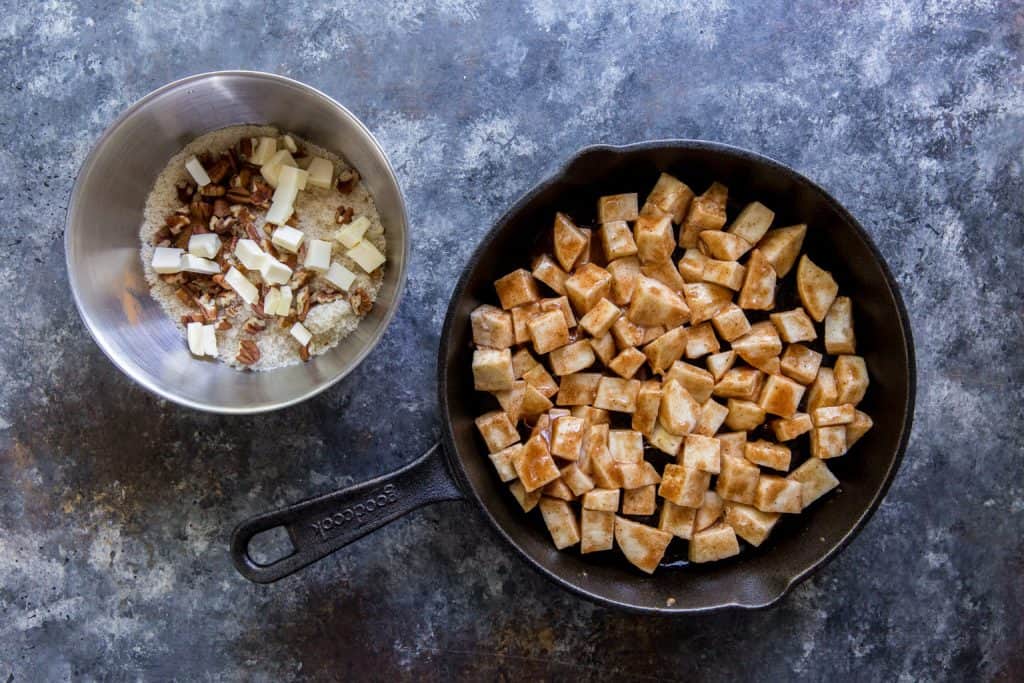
(352, 233)
(242, 286)
(194, 334)
(318, 257)
(206, 245)
(284, 304)
(196, 170)
(321, 172)
(210, 340)
(264, 150)
(275, 272)
(288, 238)
(340, 276)
(195, 264)
(167, 260)
(366, 256)
(250, 254)
(301, 334)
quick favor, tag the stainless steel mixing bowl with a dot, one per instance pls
(101, 238)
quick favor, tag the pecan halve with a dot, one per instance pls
(212, 190)
(185, 297)
(254, 325)
(237, 195)
(221, 208)
(245, 148)
(304, 353)
(248, 352)
(219, 171)
(343, 215)
(360, 301)
(302, 302)
(185, 191)
(347, 180)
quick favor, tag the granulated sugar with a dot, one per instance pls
(329, 323)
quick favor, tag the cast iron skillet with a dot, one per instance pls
(458, 467)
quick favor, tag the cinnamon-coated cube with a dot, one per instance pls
(679, 412)
(522, 362)
(526, 499)
(492, 369)
(548, 331)
(640, 501)
(691, 266)
(778, 494)
(815, 478)
(617, 207)
(588, 285)
(758, 291)
(728, 274)
(862, 422)
(561, 522)
(768, 454)
(830, 416)
(624, 272)
(511, 400)
(599, 319)
(572, 358)
(787, 429)
(604, 347)
(617, 394)
(569, 242)
(823, 391)
(578, 389)
(706, 212)
(666, 349)
(733, 444)
(800, 363)
(604, 500)
(702, 453)
(655, 304)
(743, 415)
(534, 464)
(626, 333)
(664, 272)
(705, 300)
(539, 379)
(521, 317)
(828, 442)
(636, 475)
(724, 246)
(567, 437)
(697, 381)
(561, 304)
(839, 336)
(714, 543)
(737, 480)
(677, 520)
(492, 327)
(712, 416)
(671, 196)
(742, 382)
(731, 323)
(597, 531)
(684, 485)
(781, 396)
(709, 512)
(616, 240)
(654, 239)
(516, 288)
(749, 523)
(720, 363)
(760, 342)
(627, 363)
(701, 340)
(546, 270)
(502, 461)
(648, 403)
(851, 374)
(664, 440)
(752, 222)
(626, 446)
(794, 326)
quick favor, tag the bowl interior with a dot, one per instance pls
(106, 210)
(799, 543)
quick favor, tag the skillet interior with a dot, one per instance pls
(800, 543)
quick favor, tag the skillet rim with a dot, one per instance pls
(454, 460)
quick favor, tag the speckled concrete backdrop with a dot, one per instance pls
(115, 507)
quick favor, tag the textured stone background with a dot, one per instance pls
(115, 507)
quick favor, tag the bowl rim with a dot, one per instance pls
(94, 329)
(781, 588)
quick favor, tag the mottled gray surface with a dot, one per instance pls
(115, 507)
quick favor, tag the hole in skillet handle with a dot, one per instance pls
(319, 526)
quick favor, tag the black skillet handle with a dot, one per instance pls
(319, 526)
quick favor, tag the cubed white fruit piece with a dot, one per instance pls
(318, 256)
(301, 334)
(250, 254)
(167, 260)
(352, 234)
(206, 245)
(367, 256)
(194, 333)
(289, 143)
(288, 238)
(285, 303)
(245, 289)
(191, 263)
(264, 149)
(210, 340)
(340, 276)
(271, 301)
(275, 272)
(321, 172)
(196, 170)
(280, 212)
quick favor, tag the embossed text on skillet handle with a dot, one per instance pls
(319, 526)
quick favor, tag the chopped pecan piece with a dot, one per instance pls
(237, 195)
(343, 215)
(248, 352)
(221, 208)
(360, 301)
(245, 148)
(260, 193)
(224, 324)
(218, 171)
(207, 307)
(347, 180)
(293, 220)
(185, 297)
(186, 319)
(185, 191)
(176, 222)
(300, 278)
(212, 190)
(302, 303)
(252, 232)
(174, 278)
(325, 297)
(181, 241)
(304, 353)
(254, 325)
